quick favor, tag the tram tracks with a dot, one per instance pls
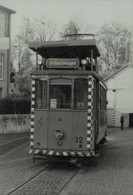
(11, 145)
(25, 182)
(47, 178)
(50, 180)
(18, 153)
(14, 140)
(68, 182)
(14, 160)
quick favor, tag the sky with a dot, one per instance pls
(90, 13)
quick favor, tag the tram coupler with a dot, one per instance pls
(73, 161)
(77, 162)
(33, 158)
(96, 155)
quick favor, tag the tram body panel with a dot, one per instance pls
(79, 141)
(73, 124)
(102, 125)
(60, 121)
(72, 121)
(40, 126)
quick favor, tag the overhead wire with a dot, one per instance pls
(69, 17)
(23, 14)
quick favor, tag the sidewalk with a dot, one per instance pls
(113, 130)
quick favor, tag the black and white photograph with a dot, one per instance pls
(66, 97)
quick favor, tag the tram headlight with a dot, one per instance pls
(84, 61)
(58, 134)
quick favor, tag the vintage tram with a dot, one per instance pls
(68, 109)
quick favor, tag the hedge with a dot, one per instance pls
(11, 106)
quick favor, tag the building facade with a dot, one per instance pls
(5, 34)
(120, 97)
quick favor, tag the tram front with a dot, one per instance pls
(62, 92)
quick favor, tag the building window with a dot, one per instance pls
(1, 65)
(2, 24)
(102, 98)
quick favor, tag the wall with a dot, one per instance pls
(109, 117)
(120, 95)
(14, 123)
(117, 118)
(4, 82)
(5, 31)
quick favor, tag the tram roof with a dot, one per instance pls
(79, 48)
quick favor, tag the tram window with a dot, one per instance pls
(102, 98)
(80, 94)
(60, 96)
(41, 94)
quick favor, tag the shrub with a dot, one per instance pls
(11, 106)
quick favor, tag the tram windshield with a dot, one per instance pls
(60, 96)
(80, 94)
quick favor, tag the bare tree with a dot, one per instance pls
(44, 30)
(22, 61)
(115, 43)
(71, 28)
(22, 57)
(76, 29)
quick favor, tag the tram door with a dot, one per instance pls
(60, 114)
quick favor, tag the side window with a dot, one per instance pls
(60, 96)
(41, 94)
(80, 94)
(1, 65)
(94, 96)
(102, 98)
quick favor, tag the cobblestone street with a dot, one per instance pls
(111, 173)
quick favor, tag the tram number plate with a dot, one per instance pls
(79, 140)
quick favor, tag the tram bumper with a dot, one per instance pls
(53, 153)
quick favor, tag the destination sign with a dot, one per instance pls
(62, 63)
